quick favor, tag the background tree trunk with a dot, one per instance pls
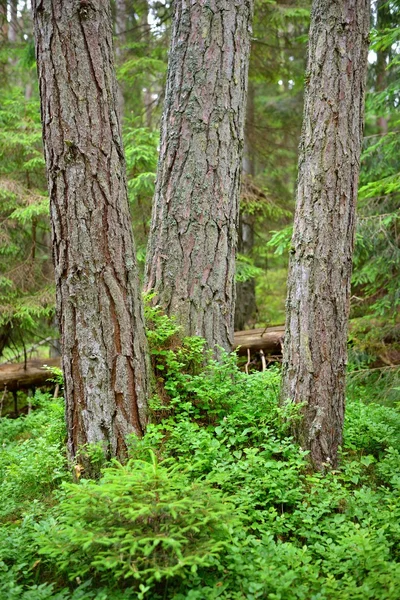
(98, 296)
(13, 25)
(383, 21)
(192, 245)
(120, 24)
(120, 31)
(245, 306)
(146, 37)
(315, 352)
(3, 20)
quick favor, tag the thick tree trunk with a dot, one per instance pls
(192, 245)
(98, 296)
(315, 352)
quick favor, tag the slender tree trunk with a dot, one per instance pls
(3, 20)
(245, 306)
(192, 245)
(13, 25)
(315, 352)
(121, 27)
(146, 36)
(98, 298)
(383, 20)
(120, 24)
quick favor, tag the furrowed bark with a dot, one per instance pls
(192, 245)
(98, 296)
(315, 351)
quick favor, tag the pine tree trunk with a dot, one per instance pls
(245, 306)
(146, 38)
(13, 25)
(121, 27)
(192, 246)
(98, 297)
(120, 24)
(383, 21)
(3, 20)
(315, 352)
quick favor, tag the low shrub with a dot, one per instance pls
(216, 500)
(142, 523)
(32, 455)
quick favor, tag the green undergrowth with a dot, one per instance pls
(216, 500)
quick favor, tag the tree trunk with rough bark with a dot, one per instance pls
(315, 352)
(104, 351)
(193, 237)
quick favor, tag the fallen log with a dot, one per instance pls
(268, 339)
(21, 376)
(18, 376)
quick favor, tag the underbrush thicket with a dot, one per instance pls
(216, 501)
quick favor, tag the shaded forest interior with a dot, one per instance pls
(140, 458)
(272, 130)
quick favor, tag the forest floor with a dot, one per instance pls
(216, 501)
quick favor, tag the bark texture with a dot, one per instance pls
(98, 296)
(192, 245)
(315, 352)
